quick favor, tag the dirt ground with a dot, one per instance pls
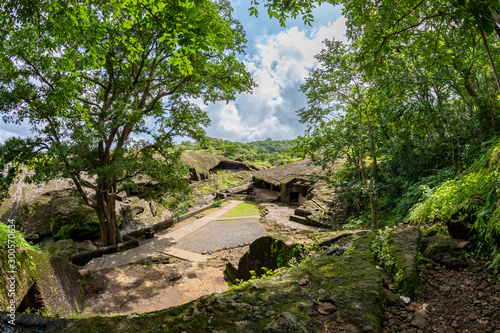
(156, 283)
(464, 300)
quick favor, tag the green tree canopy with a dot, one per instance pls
(106, 86)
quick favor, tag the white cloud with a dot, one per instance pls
(280, 65)
(8, 130)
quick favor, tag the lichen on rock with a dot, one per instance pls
(65, 248)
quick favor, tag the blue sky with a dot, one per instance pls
(279, 60)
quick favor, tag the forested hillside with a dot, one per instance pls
(412, 103)
(268, 150)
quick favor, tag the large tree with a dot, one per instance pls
(415, 87)
(107, 85)
(340, 117)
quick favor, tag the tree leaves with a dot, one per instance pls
(106, 86)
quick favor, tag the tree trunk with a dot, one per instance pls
(493, 67)
(110, 233)
(373, 208)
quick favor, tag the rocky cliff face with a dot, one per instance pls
(322, 209)
(45, 283)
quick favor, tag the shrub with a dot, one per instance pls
(217, 203)
(19, 240)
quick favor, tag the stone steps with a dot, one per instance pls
(298, 219)
(95, 264)
(306, 221)
(302, 212)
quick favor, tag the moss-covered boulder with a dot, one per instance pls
(65, 248)
(41, 281)
(72, 218)
(264, 253)
(398, 250)
(444, 251)
(133, 209)
(342, 293)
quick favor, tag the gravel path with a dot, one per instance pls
(220, 234)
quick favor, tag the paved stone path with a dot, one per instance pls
(163, 243)
(223, 233)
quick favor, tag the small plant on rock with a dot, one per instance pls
(217, 203)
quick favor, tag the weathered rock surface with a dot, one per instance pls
(129, 211)
(50, 210)
(79, 220)
(444, 251)
(342, 293)
(322, 209)
(85, 246)
(63, 248)
(400, 257)
(267, 252)
(41, 281)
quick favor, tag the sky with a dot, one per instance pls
(279, 60)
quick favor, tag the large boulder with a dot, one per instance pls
(444, 251)
(85, 246)
(72, 218)
(41, 281)
(265, 252)
(65, 248)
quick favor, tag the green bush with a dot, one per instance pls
(217, 203)
(458, 198)
(487, 228)
(18, 239)
(472, 197)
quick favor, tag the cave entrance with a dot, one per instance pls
(32, 300)
(294, 198)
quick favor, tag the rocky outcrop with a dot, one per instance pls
(265, 252)
(444, 251)
(41, 281)
(322, 209)
(64, 248)
(342, 293)
(50, 210)
(73, 219)
(398, 250)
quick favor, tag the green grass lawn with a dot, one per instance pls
(243, 209)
